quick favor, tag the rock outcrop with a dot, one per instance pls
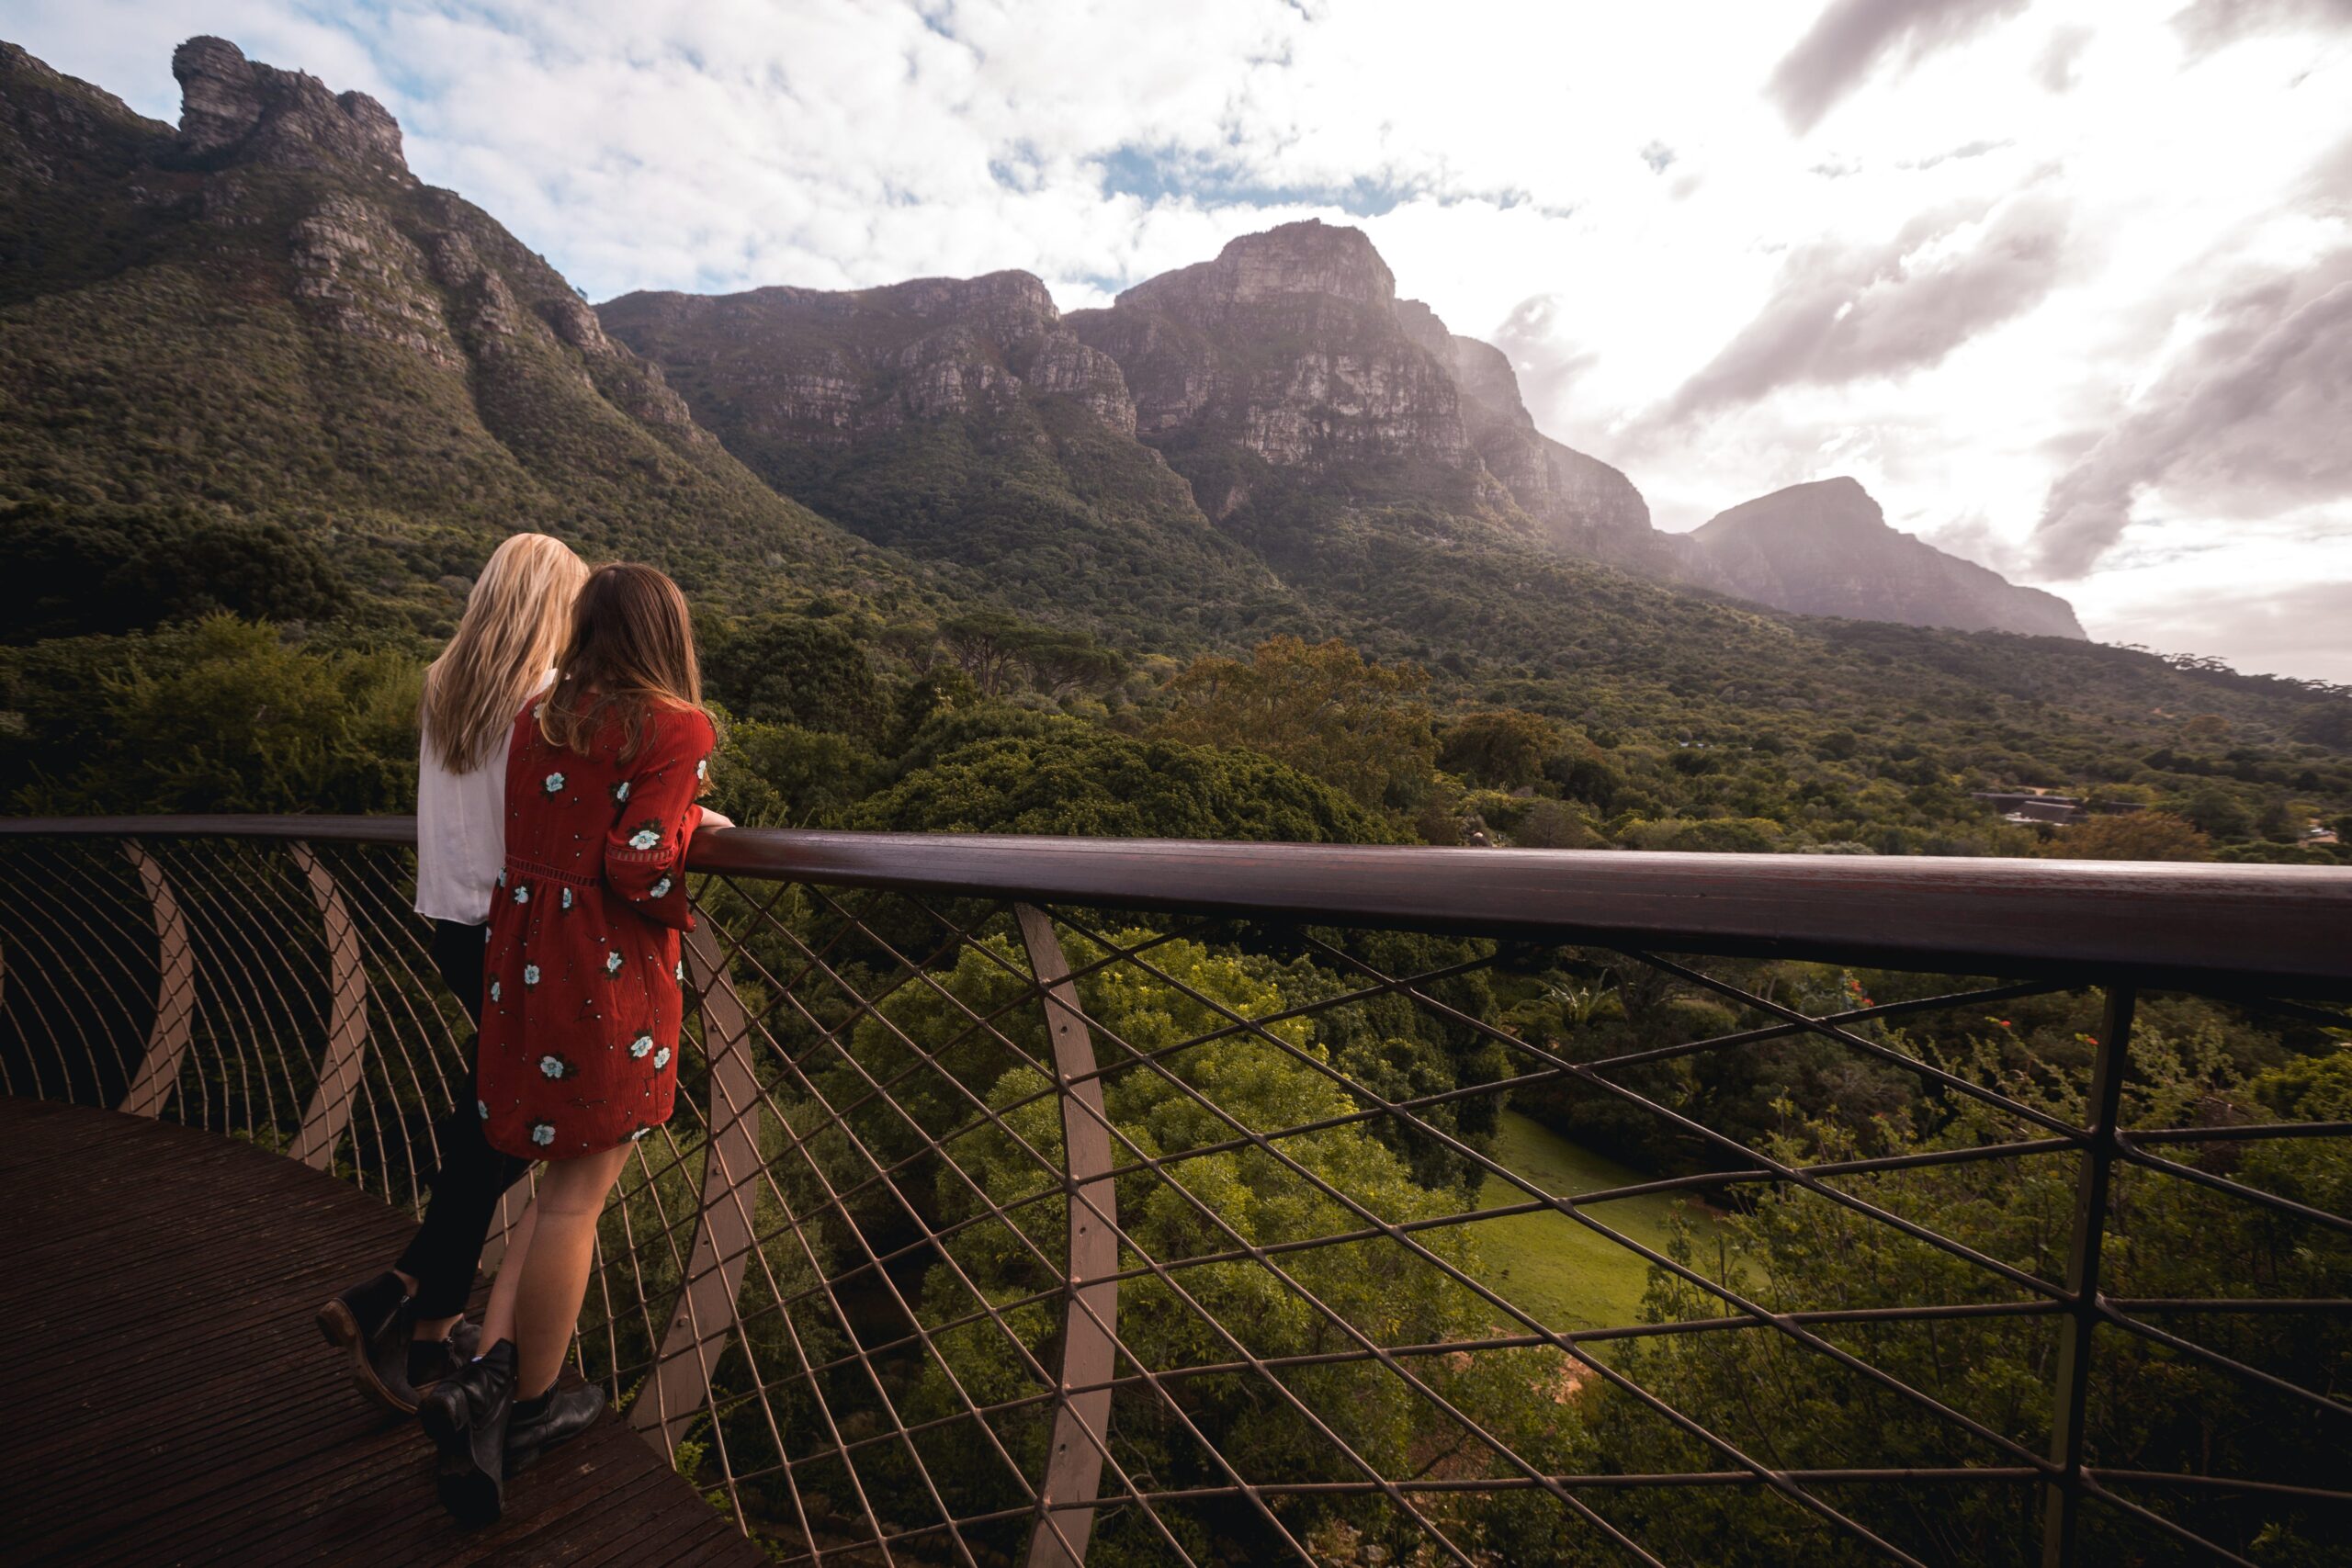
(1824, 549)
(961, 420)
(235, 107)
(803, 365)
(1584, 506)
(330, 337)
(1288, 346)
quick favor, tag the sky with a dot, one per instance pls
(2067, 284)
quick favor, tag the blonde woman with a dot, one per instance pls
(403, 1329)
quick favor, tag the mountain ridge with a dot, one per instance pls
(262, 311)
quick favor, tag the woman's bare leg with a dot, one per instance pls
(551, 1267)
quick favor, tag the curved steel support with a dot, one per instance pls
(1089, 1320)
(724, 1232)
(339, 1070)
(159, 1070)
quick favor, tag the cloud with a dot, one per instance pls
(1839, 313)
(2055, 66)
(2209, 25)
(2305, 628)
(2248, 421)
(1851, 38)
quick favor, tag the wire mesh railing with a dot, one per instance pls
(1047, 1202)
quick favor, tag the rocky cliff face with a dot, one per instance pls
(1584, 506)
(799, 365)
(361, 346)
(958, 418)
(233, 109)
(1825, 550)
(1289, 347)
(1292, 347)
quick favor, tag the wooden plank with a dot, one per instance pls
(189, 1413)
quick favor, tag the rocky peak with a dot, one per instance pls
(233, 109)
(1000, 305)
(1310, 258)
(1824, 549)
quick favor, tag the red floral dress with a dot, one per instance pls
(582, 1010)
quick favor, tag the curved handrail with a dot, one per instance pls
(2267, 927)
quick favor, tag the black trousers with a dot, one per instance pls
(446, 1250)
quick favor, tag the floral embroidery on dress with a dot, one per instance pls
(613, 962)
(481, 1108)
(620, 793)
(554, 783)
(641, 1131)
(554, 1066)
(502, 876)
(679, 974)
(522, 893)
(493, 990)
(566, 899)
(543, 1132)
(662, 888)
(660, 1058)
(641, 1045)
(702, 769)
(647, 836)
(530, 973)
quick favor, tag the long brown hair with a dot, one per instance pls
(632, 651)
(515, 621)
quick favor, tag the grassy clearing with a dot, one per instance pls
(1568, 1275)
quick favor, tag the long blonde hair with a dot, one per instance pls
(515, 623)
(632, 651)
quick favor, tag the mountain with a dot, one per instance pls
(1583, 506)
(1283, 369)
(264, 312)
(1825, 550)
(958, 418)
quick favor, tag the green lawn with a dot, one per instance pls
(1569, 1276)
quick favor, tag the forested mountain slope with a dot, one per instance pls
(266, 313)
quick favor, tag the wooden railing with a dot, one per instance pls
(1042, 1197)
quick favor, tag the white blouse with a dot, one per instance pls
(460, 833)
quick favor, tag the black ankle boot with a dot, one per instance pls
(556, 1416)
(467, 1418)
(373, 1322)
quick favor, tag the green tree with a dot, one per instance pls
(1503, 749)
(1323, 708)
(2134, 835)
(1070, 777)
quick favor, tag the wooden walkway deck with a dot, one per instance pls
(169, 1402)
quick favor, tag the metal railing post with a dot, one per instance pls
(1081, 1420)
(159, 1070)
(724, 1231)
(329, 1111)
(2061, 1502)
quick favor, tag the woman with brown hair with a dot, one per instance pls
(403, 1329)
(580, 1031)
